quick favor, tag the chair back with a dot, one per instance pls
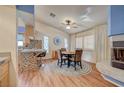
(78, 55)
(63, 49)
(43, 54)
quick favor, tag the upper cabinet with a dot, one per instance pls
(116, 20)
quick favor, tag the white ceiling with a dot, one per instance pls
(94, 15)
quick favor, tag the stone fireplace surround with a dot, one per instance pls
(110, 73)
(117, 54)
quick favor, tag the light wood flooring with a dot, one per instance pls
(46, 78)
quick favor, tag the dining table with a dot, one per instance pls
(68, 54)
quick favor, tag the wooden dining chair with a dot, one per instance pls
(63, 49)
(61, 58)
(77, 58)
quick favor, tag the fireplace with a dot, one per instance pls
(117, 54)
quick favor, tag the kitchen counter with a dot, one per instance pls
(4, 69)
(32, 50)
(3, 59)
(4, 56)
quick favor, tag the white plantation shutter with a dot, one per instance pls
(79, 42)
(89, 42)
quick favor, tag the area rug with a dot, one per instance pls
(64, 70)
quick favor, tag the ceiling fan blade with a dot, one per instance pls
(74, 27)
(82, 25)
(63, 24)
(85, 26)
(73, 23)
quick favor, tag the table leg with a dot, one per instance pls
(68, 62)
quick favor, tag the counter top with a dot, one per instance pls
(33, 50)
(2, 59)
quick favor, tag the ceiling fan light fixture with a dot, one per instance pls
(52, 15)
(68, 27)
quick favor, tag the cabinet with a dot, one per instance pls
(4, 74)
(54, 55)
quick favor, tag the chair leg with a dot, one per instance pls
(80, 64)
(58, 62)
(41, 61)
(75, 65)
(61, 63)
(64, 61)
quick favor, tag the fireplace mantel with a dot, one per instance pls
(117, 51)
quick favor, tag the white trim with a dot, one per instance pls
(117, 38)
(110, 80)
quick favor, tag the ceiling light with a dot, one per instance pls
(68, 27)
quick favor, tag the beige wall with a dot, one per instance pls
(51, 33)
(8, 37)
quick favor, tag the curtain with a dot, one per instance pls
(102, 44)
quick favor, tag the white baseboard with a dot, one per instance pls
(111, 81)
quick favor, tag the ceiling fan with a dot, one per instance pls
(69, 24)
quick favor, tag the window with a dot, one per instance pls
(20, 39)
(89, 42)
(46, 43)
(66, 43)
(79, 42)
(20, 43)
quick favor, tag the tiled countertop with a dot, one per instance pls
(4, 57)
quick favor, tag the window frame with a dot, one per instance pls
(66, 43)
(77, 43)
(20, 41)
(47, 43)
(87, 43)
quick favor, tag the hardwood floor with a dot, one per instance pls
(46, 78)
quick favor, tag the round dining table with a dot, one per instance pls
(68, 54)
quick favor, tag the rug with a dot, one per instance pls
(64, 70)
